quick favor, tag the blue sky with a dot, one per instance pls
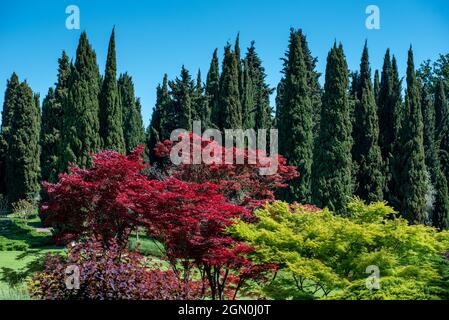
(157, 37)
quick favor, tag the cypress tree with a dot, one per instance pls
(111, 122)
(386, 110)
(256, 89)
(440, 206)
(133, 130)
(156, 130)
(9, 103)
(442, 126)
(230, 113)
(366, 152)
(213, 88)
(80, 130)
(52, 117)
(22, 157)
(181, 109)
(331, 170)
(412, 183)
(376, 86)
(248, 98)
(239, 66)
(295, 122)
(201, 103)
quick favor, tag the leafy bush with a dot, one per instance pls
(24, 209)
(323, 254)
(12, 245)
(107, 273)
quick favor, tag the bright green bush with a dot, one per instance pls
(325, 255)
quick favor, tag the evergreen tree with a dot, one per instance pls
(412, 181)
(9, 103)
(295, 122)
(22, 157)
(181, 107)
(366, 152)
(442, 126)
(256, 92)
(201, 103)
(111, 122)
(155, 131)
(230, 112)
(133, 130)
(331, 170)
(376, 85)
(440, 207)
(80, 130)
(213, 88)
(52, 118)
(239, 66)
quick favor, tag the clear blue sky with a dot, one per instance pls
(154, 37)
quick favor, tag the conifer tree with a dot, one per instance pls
(239, 66)
(442, 126)
(133, 130)
(111, 116)
(9, 103)
(331, 169)
(230, 112)
(366, 152)
(181, 107)
(256, 89)
(376, 86)
(213, 88)
(412, 180)
(80, 130)
(23, 155)
(440, 214)
(52, 118)
(201, 103)
(295, 122)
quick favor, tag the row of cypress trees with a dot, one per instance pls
(83, 113)
(353, 136)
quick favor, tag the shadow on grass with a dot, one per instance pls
(17, 231)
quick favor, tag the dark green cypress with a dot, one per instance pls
(239, 66)
(442, 126)
(385, 109)
(133, 130)
(9, 103)
(230, 111)
(412, 183)
(376, 86)
(181, 91)
(52, 118)
(256, 89)
(295, 122)
(111, 116)
(332, 163)
(440, 206)
(80, 131)
(365, 151)
(201, 103)
(248, 98)
(23, 155)
(156, 130)
(213, 88)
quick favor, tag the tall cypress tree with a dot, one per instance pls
(230, 111)
(412, 183)
(295, 122)
(366, 152)
(80, 130)
(111, 122)
(213, 88)
(180, 111)
(22, 157)
(239, 65)
(376, 86)
(256, 92)
(201, 103)
(9, 103)
(439, 209)
(52, 118)
(442, 126)
(332, 163)
(133, 130)
(156, 131)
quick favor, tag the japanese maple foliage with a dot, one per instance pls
(86, 202)
(190, 219)
(242, 183)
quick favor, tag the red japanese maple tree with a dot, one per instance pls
(242, 183)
